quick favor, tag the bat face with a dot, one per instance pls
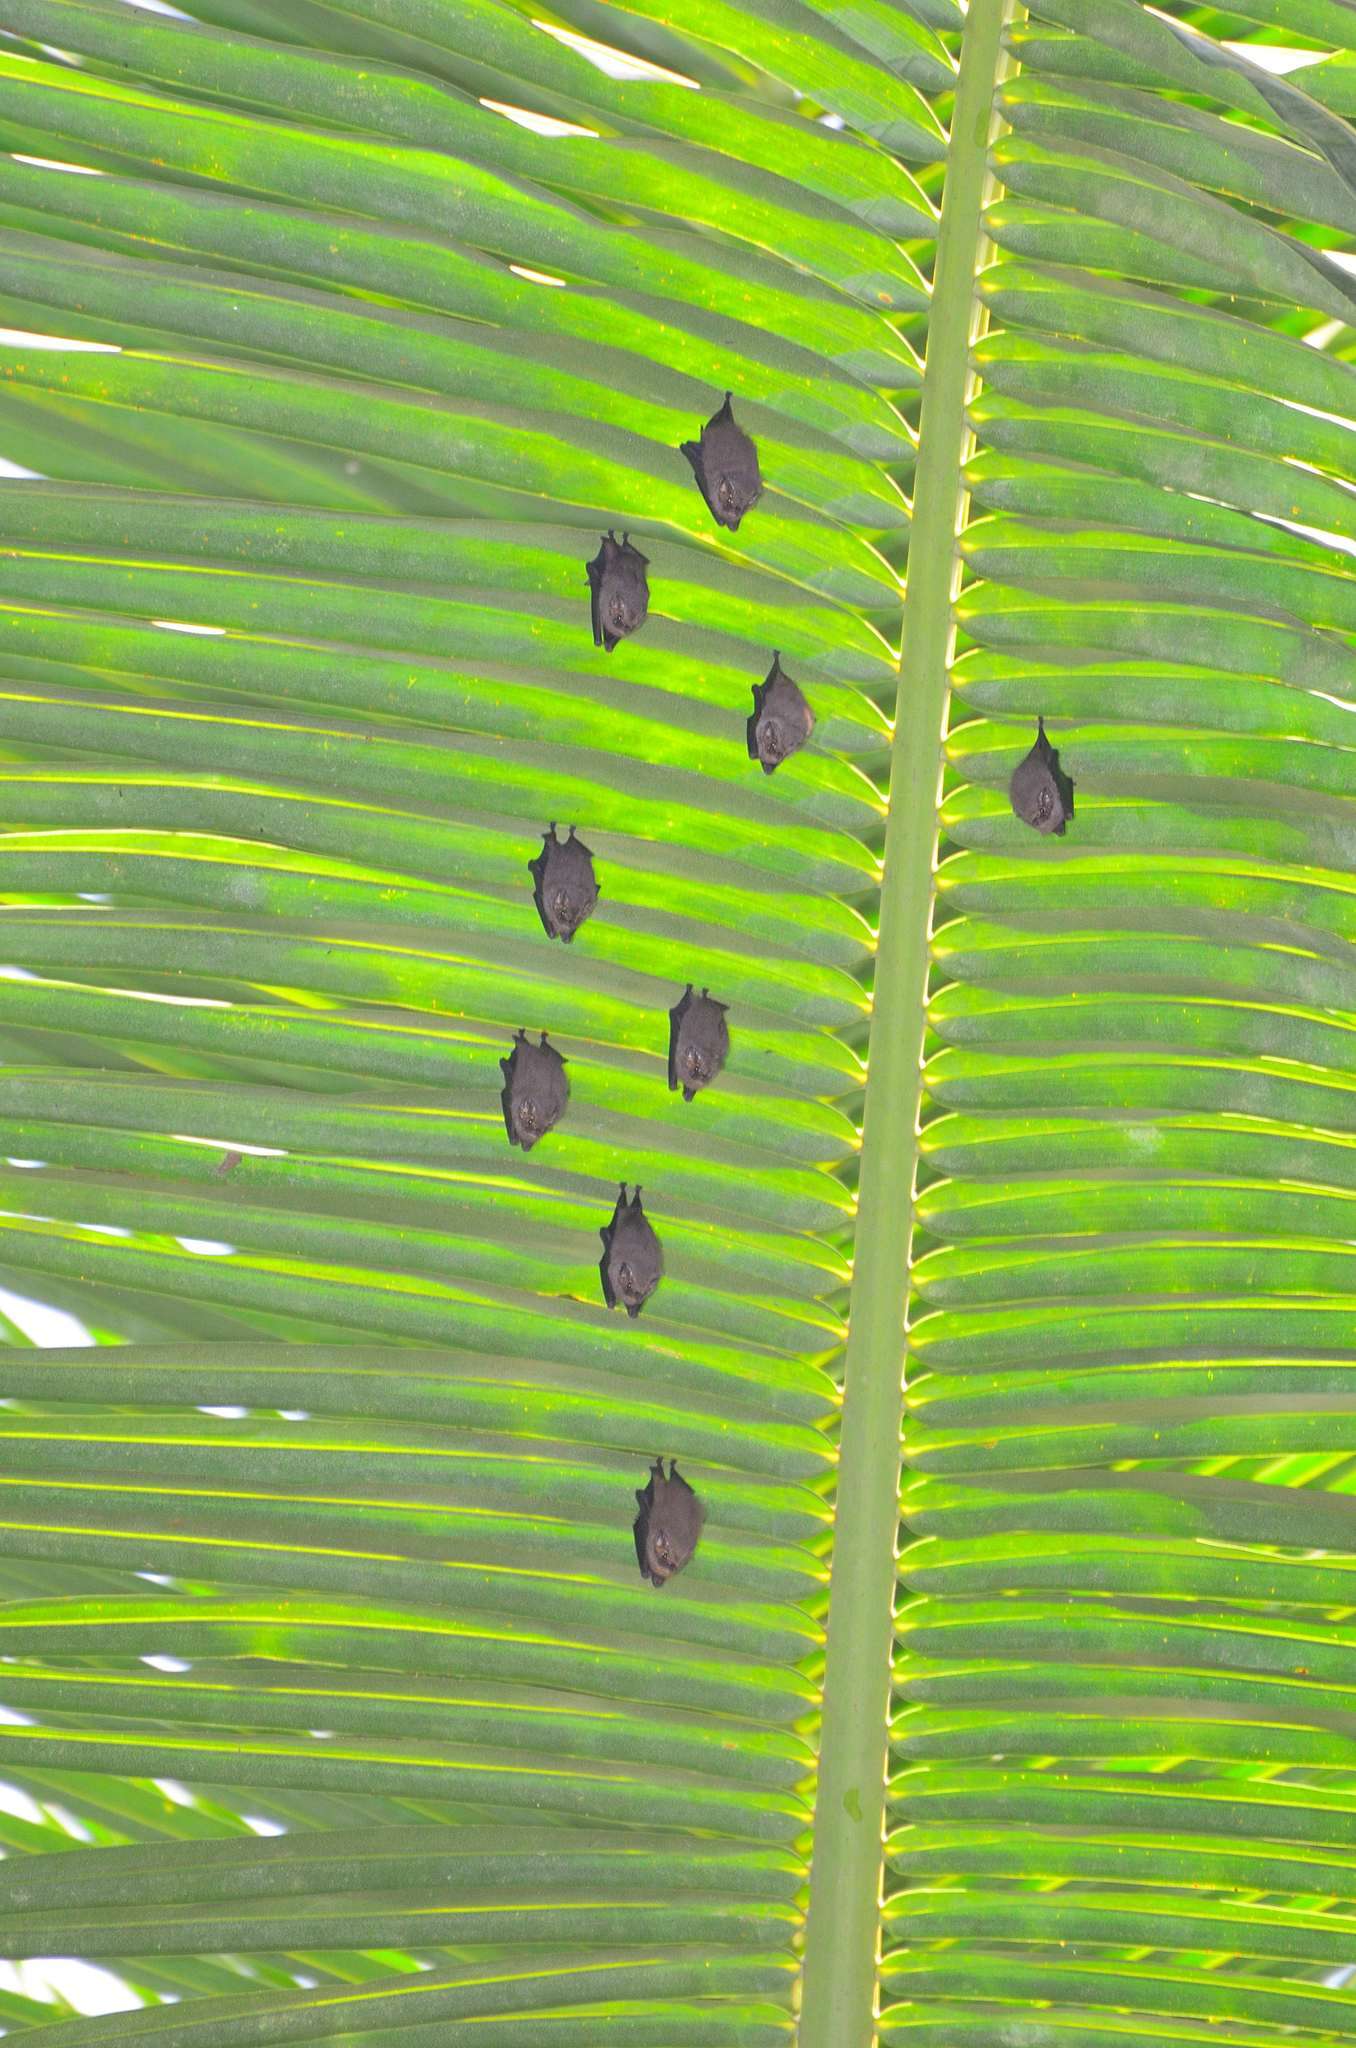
(725, 464)
(782, 721)
(1040, 792)
(668, 1525)
(620, 590)
(535, 1090)
(565, 887)
(699, 1040)
(632, 1264)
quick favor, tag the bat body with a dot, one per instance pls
(535, 1090)
(699, 1040)
(1040, 792)
(632, 1264)
(725, 464)
(782, 721)
(565, 887)
(619, 590)
(668, 1525)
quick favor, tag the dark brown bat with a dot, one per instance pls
(699, 1040)
(535, 1090)
(564, 884)
(725, 464)
(1040, 792)
(632, 1264)
(668, 1525)
(620, 590)
(782, 721)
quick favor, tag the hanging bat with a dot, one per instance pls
(620, 590)
(699, 1040)
(565, 887)
(1040, 792)
(725, 464)
(535, 1090)
(668, 1525)
(632, 1264)
(782, 721)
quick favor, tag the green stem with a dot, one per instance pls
(840, 1969)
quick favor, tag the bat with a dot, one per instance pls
(620, 590)
(632, 1264)
(782, 721)
(725, 464)
(699, 1040)
(668, 1525)
(564, 885)
(1040, 792)
(535, 1090)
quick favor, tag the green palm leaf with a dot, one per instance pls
(333, 1706)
